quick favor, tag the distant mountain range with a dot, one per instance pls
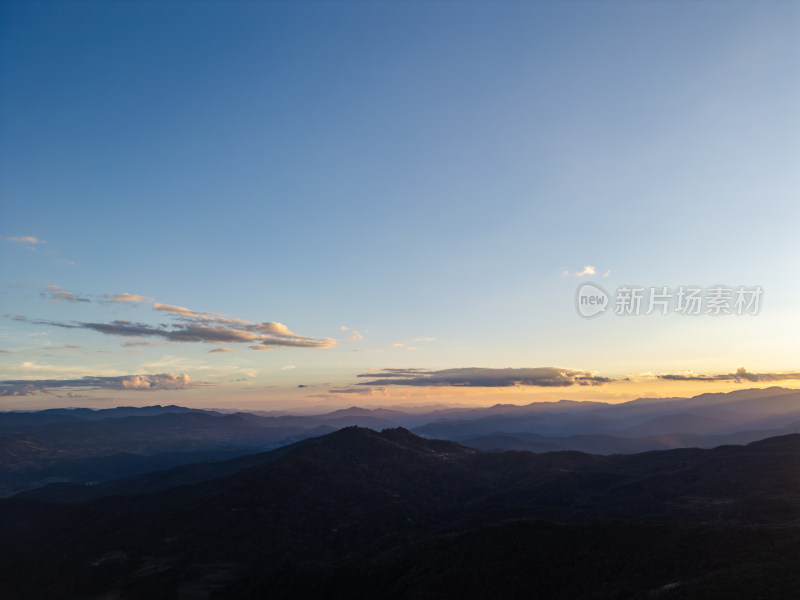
(361, 514)
(83, 445)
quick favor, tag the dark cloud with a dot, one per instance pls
(740, 375)
(147, 383)
(485, 377)
(264, 336)
(187, 325)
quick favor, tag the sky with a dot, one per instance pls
(296, 205)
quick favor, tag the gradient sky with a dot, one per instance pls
(372, 186)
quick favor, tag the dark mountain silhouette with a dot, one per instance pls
(611, 444)
(83, 450)
(357, 513)
(84, 445)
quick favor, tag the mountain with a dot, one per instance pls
(684, 422)
(706, 414)
(82, 450)
(20, 421)
(82, 445)
(615, 444)
(357, 513)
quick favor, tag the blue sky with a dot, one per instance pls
(405, 170)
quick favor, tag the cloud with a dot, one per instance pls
(147, 383)
(67, 297)
(355, 336)
(189, 326)
(740, 375)
(221, 350)
(182, 311)
(395, 373)
(360, 391)
(423, 339)
(134, 344)
(205, 328)
(398, 345)
(58, 295)
(26, 240)
(587, 270)
(287, 367)
(485, 377)
(126, 297)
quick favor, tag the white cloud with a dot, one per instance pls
(587, 270)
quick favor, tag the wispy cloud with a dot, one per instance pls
(187, 325)
(741, 374)
(359, 391)
(63, 296)
(485, 377)
(146, 383)
(265, 336)
(355, 336)
(221, 350)
(27, 241)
